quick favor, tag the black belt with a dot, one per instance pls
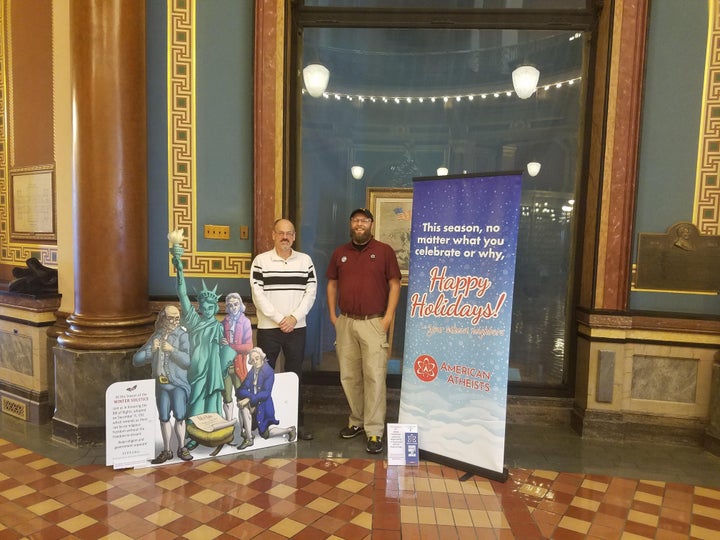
(362, 317)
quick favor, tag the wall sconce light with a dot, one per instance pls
(357, 172)
(525, 79)
(316, 78)
(442, 171)
(533, 168)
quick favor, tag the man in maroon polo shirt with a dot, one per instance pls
(364, 283)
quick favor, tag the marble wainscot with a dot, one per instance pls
(26, 359)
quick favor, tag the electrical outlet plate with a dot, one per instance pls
(217, 232)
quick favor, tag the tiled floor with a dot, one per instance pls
(560, 487)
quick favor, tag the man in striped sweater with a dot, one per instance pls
(284, 284)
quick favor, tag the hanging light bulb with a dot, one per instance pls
(316, 78)
(533, 168)
(525, 79)
(357, 172)
(442, 171)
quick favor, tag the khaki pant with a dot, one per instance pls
(362, 350)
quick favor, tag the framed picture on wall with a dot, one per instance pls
(392, 209)
(32, 203)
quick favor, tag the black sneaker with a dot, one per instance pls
(351, 431)
(374, 445)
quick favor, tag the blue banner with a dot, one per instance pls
(459, 310)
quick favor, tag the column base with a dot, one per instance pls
(77, 436)
(81, 380)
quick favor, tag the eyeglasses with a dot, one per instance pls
(360, 220)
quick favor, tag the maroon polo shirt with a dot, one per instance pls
(363, 276)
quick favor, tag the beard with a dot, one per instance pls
(360, 237)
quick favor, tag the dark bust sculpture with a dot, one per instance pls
(35, 279)
(684, 237)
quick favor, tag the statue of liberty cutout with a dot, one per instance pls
(210, 359)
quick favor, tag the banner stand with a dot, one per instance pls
(463, 466)
(463, 245)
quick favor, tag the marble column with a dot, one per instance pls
(111, 316)
(270, 18)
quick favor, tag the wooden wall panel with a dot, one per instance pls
(30, 83)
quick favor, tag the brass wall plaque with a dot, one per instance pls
(680, 260)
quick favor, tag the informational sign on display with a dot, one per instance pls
(133, 435)
(459, 314)
(130, 420)
(402, 444)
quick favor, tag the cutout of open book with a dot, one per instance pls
(210, 422)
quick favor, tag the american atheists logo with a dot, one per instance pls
(427, 370)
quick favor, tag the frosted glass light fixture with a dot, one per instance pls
(533, 168)
(357, 172)
(442, 171)
(316, 78)
(525, 79)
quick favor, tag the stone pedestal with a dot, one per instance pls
(26, 373)
(82, 377)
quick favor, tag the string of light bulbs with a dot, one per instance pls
(339, 96)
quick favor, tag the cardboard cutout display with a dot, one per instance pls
(207, 399)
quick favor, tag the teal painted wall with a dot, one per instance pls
(672, 106)
(667, 160)
(159, 281)
(224, 100)
(224, 120)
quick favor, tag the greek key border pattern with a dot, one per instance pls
(707, 203)
(12, 253)
(180, 120)
(182, 199)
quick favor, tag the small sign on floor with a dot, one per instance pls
(403, 444)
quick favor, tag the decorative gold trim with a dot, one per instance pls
(12, 253)
(33, 168)
(662, 337)
(182, 150)
(706, 207)
(701, 293)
